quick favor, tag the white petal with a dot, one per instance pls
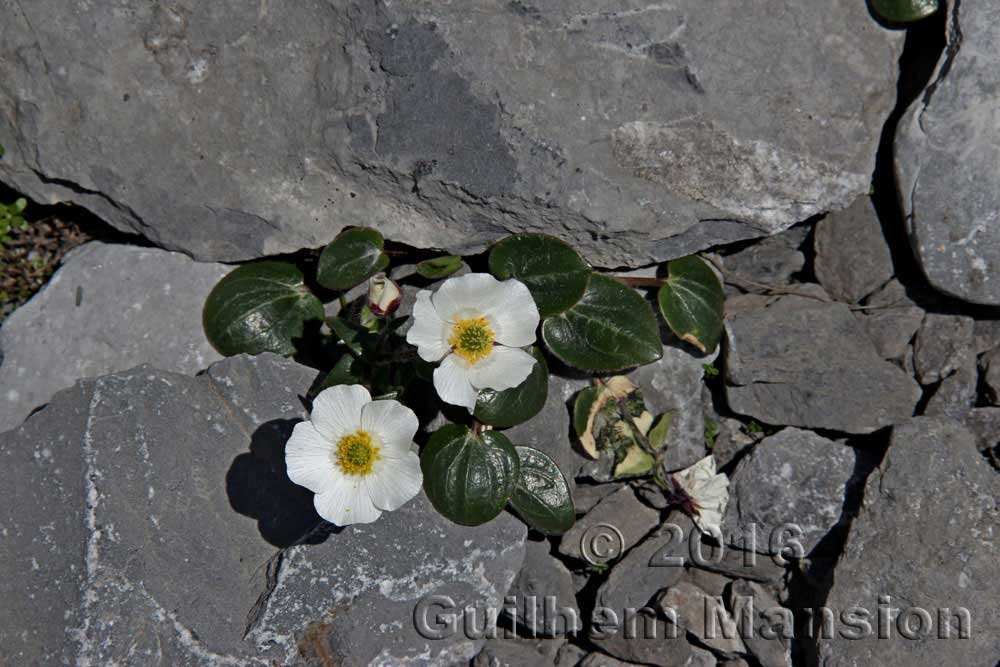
(451, 380)
(504, 368)
(336, 411)
(513, 314)
(429, 332)
(393, 423)
(470, 295)
(347, 502)
(395, 481)
(308, 458)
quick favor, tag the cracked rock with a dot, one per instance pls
(143, 506)
(891, 319)
(639, 134)
(852, 257)
(943, 345)
(108, 308)
(920, 560)
(947, 152)
(703, 616)
(623, 511)
(802, 362)
(543, 594)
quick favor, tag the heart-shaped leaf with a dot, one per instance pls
(351, 258)
(439, 267)
(468, 477)
(904, 11)
(518, 404)
(692, 302)
(260, 307)
(610, 328)
(555, 274)
(542, 497)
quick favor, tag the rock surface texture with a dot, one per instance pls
(925, 545)
(947, 147)
(110, 307)
(638, 130)
(136, 522)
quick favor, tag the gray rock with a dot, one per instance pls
(942, 346)
(551, 430)
(731, 439)
(956, 395)
(604, 660)
(771, 261)
(109, 307)
(704, 616)
(570, 655)
(991, 375)
(711, 582)
(924, 542)
(543, 595)
(519, 653)
(622, 511)
(803, 362)
(767, 640)
(852, 257)
(947, 152)
(674, 384)
(985, 426)
(586, 496)
(640, 637)
(891, 320)
(702, 658)
(986, 335)
(645, 570)
(639, 134)
(139, 512)
(789, 490)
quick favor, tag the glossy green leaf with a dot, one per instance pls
(904, 11)
(469, 478)
(610, 328)
(692, 302)
(542, 497)
(518, 404)
(347, 370)
(439, 267)
(358, 339)
(555, 274)
(351, 258)
(260, 307)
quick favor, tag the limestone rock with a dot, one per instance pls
(543, 594)
(852, 256)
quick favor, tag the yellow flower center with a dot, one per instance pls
(472, 339)
(356, 454)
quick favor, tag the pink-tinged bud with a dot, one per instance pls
(383, 295)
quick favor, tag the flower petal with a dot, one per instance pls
(395, 481)
(514, 314)
(347, 502)
(308, 458)
(429, 332)
(394, 424)
(470, 295)
(504, 368)
(451, 380)
(336, 411)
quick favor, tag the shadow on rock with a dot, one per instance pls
(258, 487)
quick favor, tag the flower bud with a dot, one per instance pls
(383, 295)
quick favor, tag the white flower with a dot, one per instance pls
(355, 455)
(475, 325)
(707, 494)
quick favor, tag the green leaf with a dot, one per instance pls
(351, 258)
(657, 435)
(439, 267)
(358, 339)
(636, 462)
(469, 478)
(260, 307)
(610, 328)
(904, 11)
(345, 371)
(692, 302)
(555, 274)
(518, 404)
(542, 497)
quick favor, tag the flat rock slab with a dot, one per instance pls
(142, 506)
(947, 155)
(852, 257)
(110, 307)
(788, 493)
(639, 131)
(924, 547)
(803, 362)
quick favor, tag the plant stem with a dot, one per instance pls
(641, 282)
(641, 438)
